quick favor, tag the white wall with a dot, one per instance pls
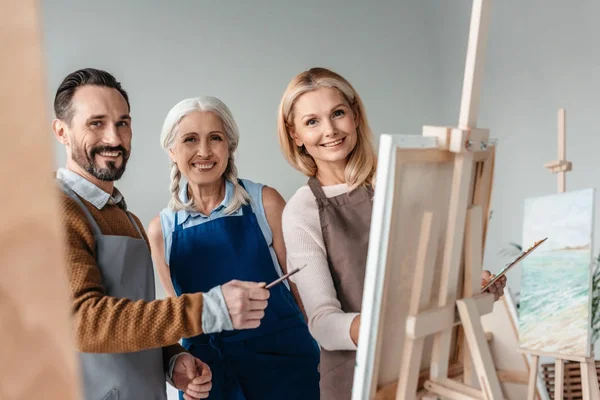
(541, 55)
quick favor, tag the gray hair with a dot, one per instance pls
(167, 139)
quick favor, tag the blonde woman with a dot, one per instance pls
(324, 133)
(217, 229)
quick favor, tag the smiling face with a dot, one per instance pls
(98, 136)
(325, 125)
(200, 149)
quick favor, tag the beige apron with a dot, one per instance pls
(345, 223)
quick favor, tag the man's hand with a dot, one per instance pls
(246, 303)
(192, 377)
(497, 289)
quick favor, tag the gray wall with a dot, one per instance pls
(245, 55)
(541, 55)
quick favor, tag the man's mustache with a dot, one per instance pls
(101, 149)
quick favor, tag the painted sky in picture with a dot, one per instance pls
(567, 216)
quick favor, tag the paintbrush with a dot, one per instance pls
(515, 262)
(284, 277)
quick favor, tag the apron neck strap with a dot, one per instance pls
(316, 188)
(95, 228)
(69, 192)
(137, 228)
(246, 208)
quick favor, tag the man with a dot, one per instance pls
(127, 339)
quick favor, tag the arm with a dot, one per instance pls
(274, 204)
(105, 324)
(157, 246)
(328, 323)
(157, 251)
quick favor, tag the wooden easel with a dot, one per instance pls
(561, 166)
(589, 378)
(468, 142)
(464, 239)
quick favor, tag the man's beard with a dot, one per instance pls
(87, 161)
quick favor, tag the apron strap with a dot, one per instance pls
(246, 208)
(137, 228)
(316, 188)
(69, 192)
(175, 222)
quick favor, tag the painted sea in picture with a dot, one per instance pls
(556, 290)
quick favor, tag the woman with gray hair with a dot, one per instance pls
(218, 228)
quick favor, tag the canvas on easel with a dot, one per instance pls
(555, 308)
(555, 318)
(37, 352)
(425, 254)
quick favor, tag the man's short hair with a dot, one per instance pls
(87, 76)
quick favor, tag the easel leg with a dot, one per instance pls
(421, 296)
(589, 380)
(533, 374)
(473, 262)
(463, 165)
(559, 379)
(585, 380)
(593, 378)
(482, 357)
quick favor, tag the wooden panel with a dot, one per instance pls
(38, 357)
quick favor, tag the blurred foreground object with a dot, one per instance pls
(37, 353)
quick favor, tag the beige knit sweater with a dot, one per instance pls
(328, 324)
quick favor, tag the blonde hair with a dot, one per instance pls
(167, 139)
(362, 161)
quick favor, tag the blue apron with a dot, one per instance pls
(277, 360)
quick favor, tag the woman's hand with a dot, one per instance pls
(497, 289)
(354, 328)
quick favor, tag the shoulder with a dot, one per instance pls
(68, 205)
(254, 190)
(301, 212)
(73, 216)
(155, 232)
(78, 228)
(302, 202)
(272, 199)
(163, 224)
(263, 197)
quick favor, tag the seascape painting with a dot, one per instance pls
(555, 307)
